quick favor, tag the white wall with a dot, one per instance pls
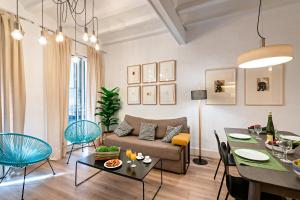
(214, 44)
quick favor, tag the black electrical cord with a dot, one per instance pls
(258, 19)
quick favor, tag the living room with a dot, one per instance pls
(173, 63)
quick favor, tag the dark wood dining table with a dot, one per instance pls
(283, 183)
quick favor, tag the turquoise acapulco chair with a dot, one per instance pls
(21, 151)
(82, 132)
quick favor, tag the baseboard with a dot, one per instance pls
(205, 153)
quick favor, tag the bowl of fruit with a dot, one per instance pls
(107, 152)
(296, 167)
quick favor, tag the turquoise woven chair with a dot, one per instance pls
(21, 151)
(82, 132)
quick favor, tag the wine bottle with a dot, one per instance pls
(270, 128)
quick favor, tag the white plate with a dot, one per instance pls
(252, 154)
(290, 137)
(240, 136)
(148, 161)
(114, 166)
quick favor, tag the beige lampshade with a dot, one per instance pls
(266, 56)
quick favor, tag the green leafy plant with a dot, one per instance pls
(107, 149)
(108, 106)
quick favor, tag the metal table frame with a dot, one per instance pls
(140, 180)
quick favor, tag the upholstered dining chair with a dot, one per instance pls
(230, 159)
(82, 132)
(238, 187)
(21, 151)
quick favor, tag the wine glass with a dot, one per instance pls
(133, 158)
(258, 130)
(286, 146)
(128, 155)
(275, 152)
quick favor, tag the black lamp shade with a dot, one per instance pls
(199, 94)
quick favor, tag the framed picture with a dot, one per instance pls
(149, 95)
(167, 71)
(133, 95)
(221, 86)
(264, 86)
(167, 94)
(134, 74)
(149, 74)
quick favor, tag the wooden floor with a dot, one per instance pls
(198, 183)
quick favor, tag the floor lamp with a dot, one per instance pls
(199, 95)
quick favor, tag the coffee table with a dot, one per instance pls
(138, 173)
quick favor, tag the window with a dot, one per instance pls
(77, 89)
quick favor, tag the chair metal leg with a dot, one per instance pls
(217, 169)
(221, 186)
(4, 175)
(23, 184)
(70, 153)
(51, 166)
(227, 196)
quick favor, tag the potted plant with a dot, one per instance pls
(108, 106)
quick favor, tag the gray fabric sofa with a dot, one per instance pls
(175, 158)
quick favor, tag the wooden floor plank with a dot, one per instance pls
(198, 183)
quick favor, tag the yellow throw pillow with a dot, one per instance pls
(181, 139)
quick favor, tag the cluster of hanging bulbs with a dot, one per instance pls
(18, 33)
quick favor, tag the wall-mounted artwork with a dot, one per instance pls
(264, 86)
(134, 74)
(221, 86)
(133, 95)
(167, 71)
(149, 95)
(149, 73)
(167, 94)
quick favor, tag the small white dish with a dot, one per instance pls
(251, 154)
(140, 158)
(290, 137)
(147, 161)
(240, 136)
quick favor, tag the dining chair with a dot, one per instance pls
(230, 159)
(238, 187)
(82, 132)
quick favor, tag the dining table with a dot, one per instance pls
(279, 182)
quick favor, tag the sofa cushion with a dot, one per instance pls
(147, 131)
(162, 124)
(182, 139)
(123, 129)
(171, 132)
(155, 148)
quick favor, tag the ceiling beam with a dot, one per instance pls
(166, 11)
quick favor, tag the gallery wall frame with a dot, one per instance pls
(134, 95)
(167, 94)
(149, 72)
(221, 86)
(167, 71)
(264, 86)
(133, 74)
(149, 95)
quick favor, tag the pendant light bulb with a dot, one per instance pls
(17, 33)
(59, 35)
(97, 47)
(93, 38)
(75, 59)
(42, 39)
(85, 36)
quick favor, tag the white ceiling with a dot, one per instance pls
(129, 19)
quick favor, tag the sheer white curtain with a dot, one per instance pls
(12, 78)
(95, 80)
(57, 61)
